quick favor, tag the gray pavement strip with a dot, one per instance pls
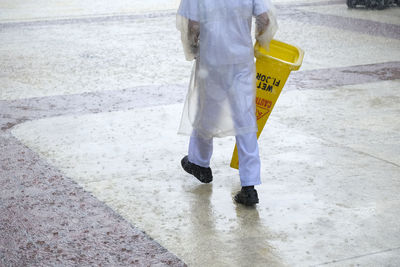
(365, 26)
(90, 19)
(121, 17)
(46, 218)
(334, 77)
(286, 11)
(320, 3)
(17, 111)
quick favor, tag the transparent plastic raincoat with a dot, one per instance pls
(217, 34)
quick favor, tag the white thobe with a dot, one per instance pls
(220, 99)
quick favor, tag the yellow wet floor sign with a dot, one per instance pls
(273, 69)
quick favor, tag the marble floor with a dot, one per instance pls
(90, 100)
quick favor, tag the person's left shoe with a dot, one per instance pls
(247, 196)
(202, 174)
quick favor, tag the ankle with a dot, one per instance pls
(248, 187)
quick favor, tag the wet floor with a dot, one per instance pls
(90, 154)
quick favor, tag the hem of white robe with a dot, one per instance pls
(235, 132)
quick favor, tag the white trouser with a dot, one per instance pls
(200, 152)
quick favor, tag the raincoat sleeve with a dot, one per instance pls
(266, 23)
(187, 22)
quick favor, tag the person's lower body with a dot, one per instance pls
(221, 103)
(197, 163)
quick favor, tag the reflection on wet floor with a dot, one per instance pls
(241, 243)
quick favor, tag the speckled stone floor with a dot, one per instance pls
(90, 99)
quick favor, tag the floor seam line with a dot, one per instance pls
(344, 146)
(360, 152)
(357, 257)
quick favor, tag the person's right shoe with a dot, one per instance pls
(202, 174)
(247, 196)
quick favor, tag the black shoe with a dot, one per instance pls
(204, 175)
(247, 196)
